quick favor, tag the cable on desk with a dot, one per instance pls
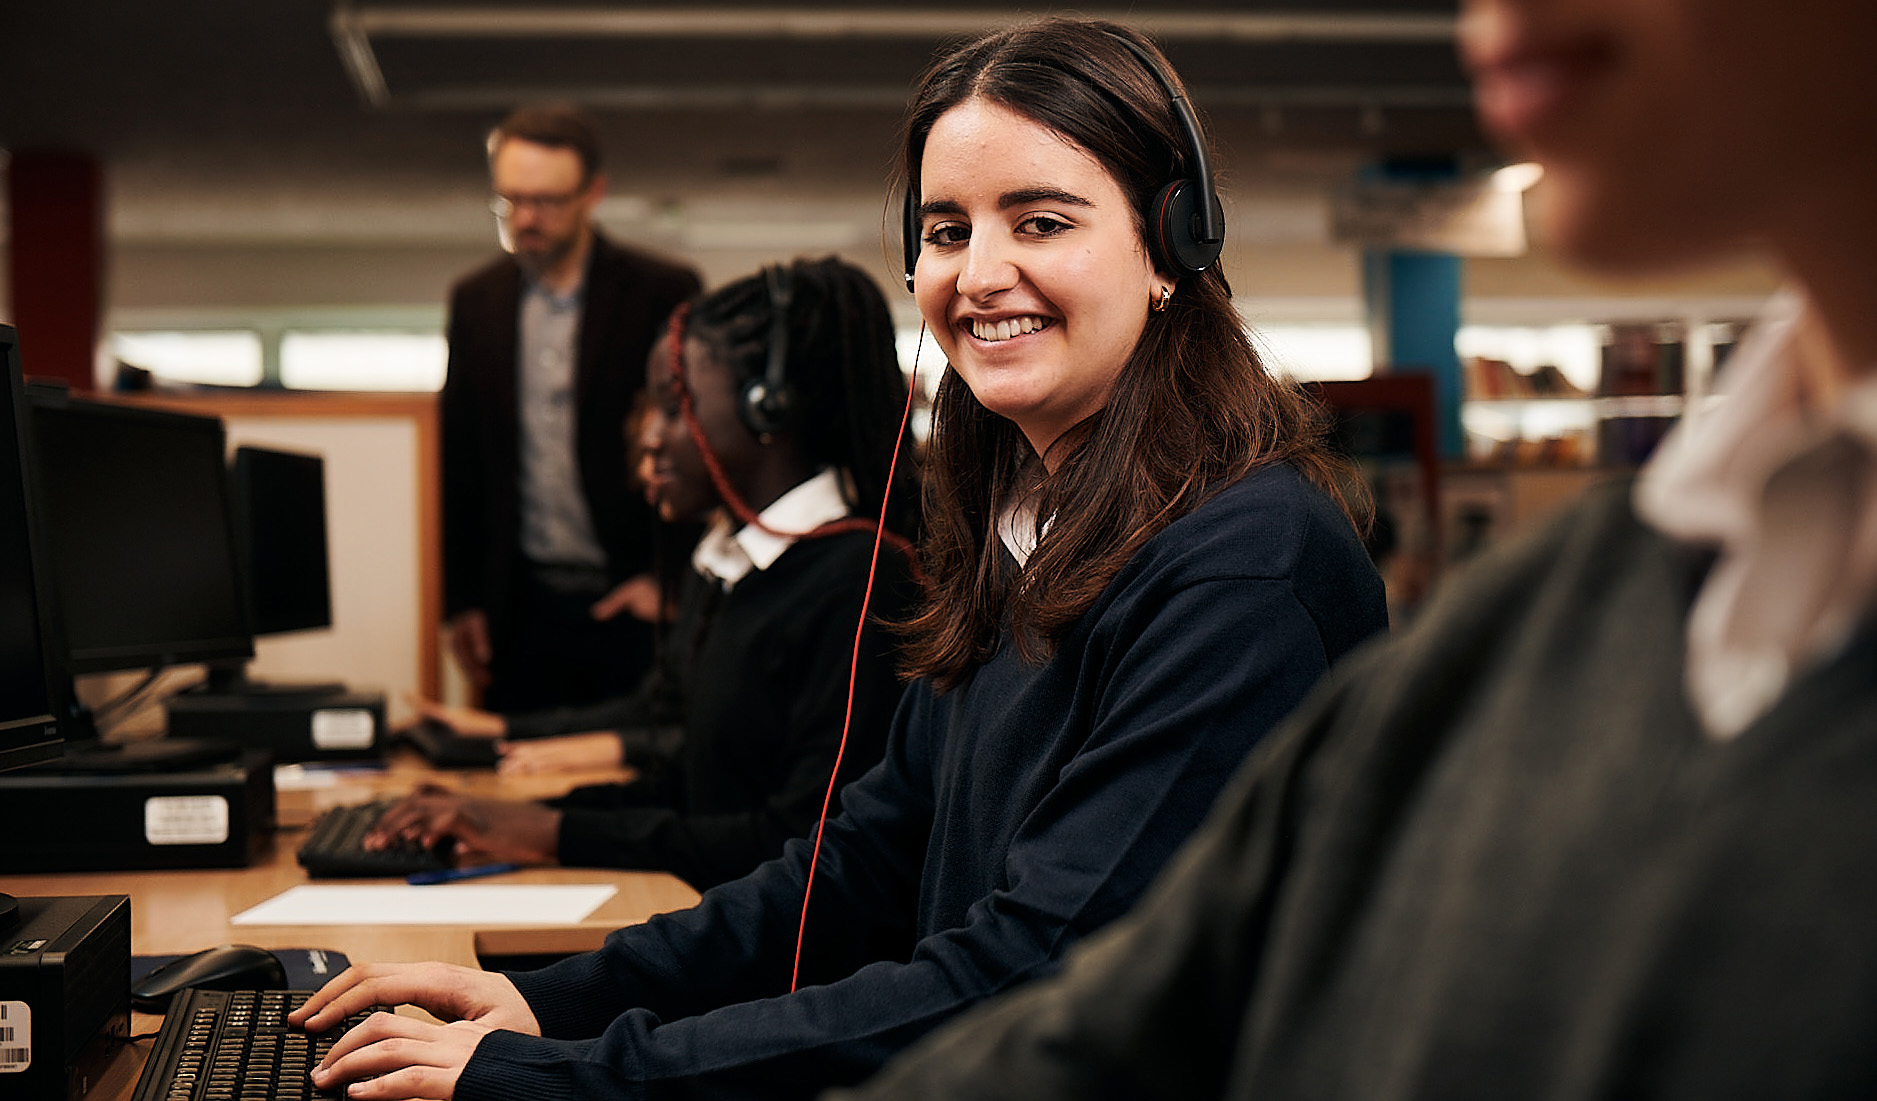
(129, 696)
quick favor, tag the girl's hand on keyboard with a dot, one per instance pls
(390, 1058)
(445, 991)
(466, 722)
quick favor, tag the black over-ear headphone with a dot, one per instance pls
(768, 402)
(1185, 224)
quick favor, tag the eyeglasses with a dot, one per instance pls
(505, 206)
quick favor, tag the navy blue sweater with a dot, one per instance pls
(760, 678)
(1009, 819)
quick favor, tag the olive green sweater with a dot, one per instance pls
(1494, 858)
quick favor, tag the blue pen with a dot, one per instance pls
(451, 875)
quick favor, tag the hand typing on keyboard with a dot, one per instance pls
(484, 830)
(468, 722)
(402, 1056)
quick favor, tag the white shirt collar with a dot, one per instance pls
(1788, 495)
(1016, 526)
(729, 556)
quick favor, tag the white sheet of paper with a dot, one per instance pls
(301, 778)
(441, 904)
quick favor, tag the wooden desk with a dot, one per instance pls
(183, 911)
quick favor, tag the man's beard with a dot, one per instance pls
(538, 258)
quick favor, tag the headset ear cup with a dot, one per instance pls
(1174, 237)
(764, 411)
(766, 404)
(749, 406)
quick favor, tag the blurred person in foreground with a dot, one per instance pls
(1603, 824)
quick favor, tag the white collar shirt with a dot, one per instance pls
(729, 557)
(1787, 495)
(1016, 528)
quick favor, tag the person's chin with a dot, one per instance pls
(536, 254)
(685, 511)
(1607, 227)
(1003, 389)
(1004, 371)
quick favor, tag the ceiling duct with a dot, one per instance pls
(467, 57)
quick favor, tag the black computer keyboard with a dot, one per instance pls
(336, 847)
(218, 1045)
(445, 748)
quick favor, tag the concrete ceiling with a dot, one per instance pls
(329, 151)
(309, 119)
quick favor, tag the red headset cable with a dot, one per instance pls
(743, 512)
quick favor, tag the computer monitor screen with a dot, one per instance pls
(28, 732)
(280, 509)
(143, 549)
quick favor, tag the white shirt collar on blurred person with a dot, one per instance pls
(729, 556)
(1788, 495)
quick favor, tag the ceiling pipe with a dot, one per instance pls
(796, 97)
(823, 23)
(353, 28)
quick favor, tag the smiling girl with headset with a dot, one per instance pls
(1139, 565)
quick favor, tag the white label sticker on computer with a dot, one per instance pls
(342, 728)
(16, 1037)
(185, 820)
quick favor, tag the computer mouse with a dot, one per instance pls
(224, 967)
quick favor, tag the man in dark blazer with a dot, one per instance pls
(546, 550)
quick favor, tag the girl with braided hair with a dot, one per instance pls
(736, 729)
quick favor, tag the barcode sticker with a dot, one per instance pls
(342, 728)
(16, 1037)
(185, 820)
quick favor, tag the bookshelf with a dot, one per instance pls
(1647, 374)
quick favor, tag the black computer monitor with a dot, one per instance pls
(280, 513)
(143, 546)
(29, 732)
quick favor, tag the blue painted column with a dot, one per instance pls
(1412, 300)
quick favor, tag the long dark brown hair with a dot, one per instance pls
(1192, 411)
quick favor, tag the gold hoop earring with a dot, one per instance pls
(1159, 305)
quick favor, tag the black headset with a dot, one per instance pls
(1185, 224)
(768, 402)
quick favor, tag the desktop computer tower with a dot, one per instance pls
(208, 816)
(64, 993)
(293, 726)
